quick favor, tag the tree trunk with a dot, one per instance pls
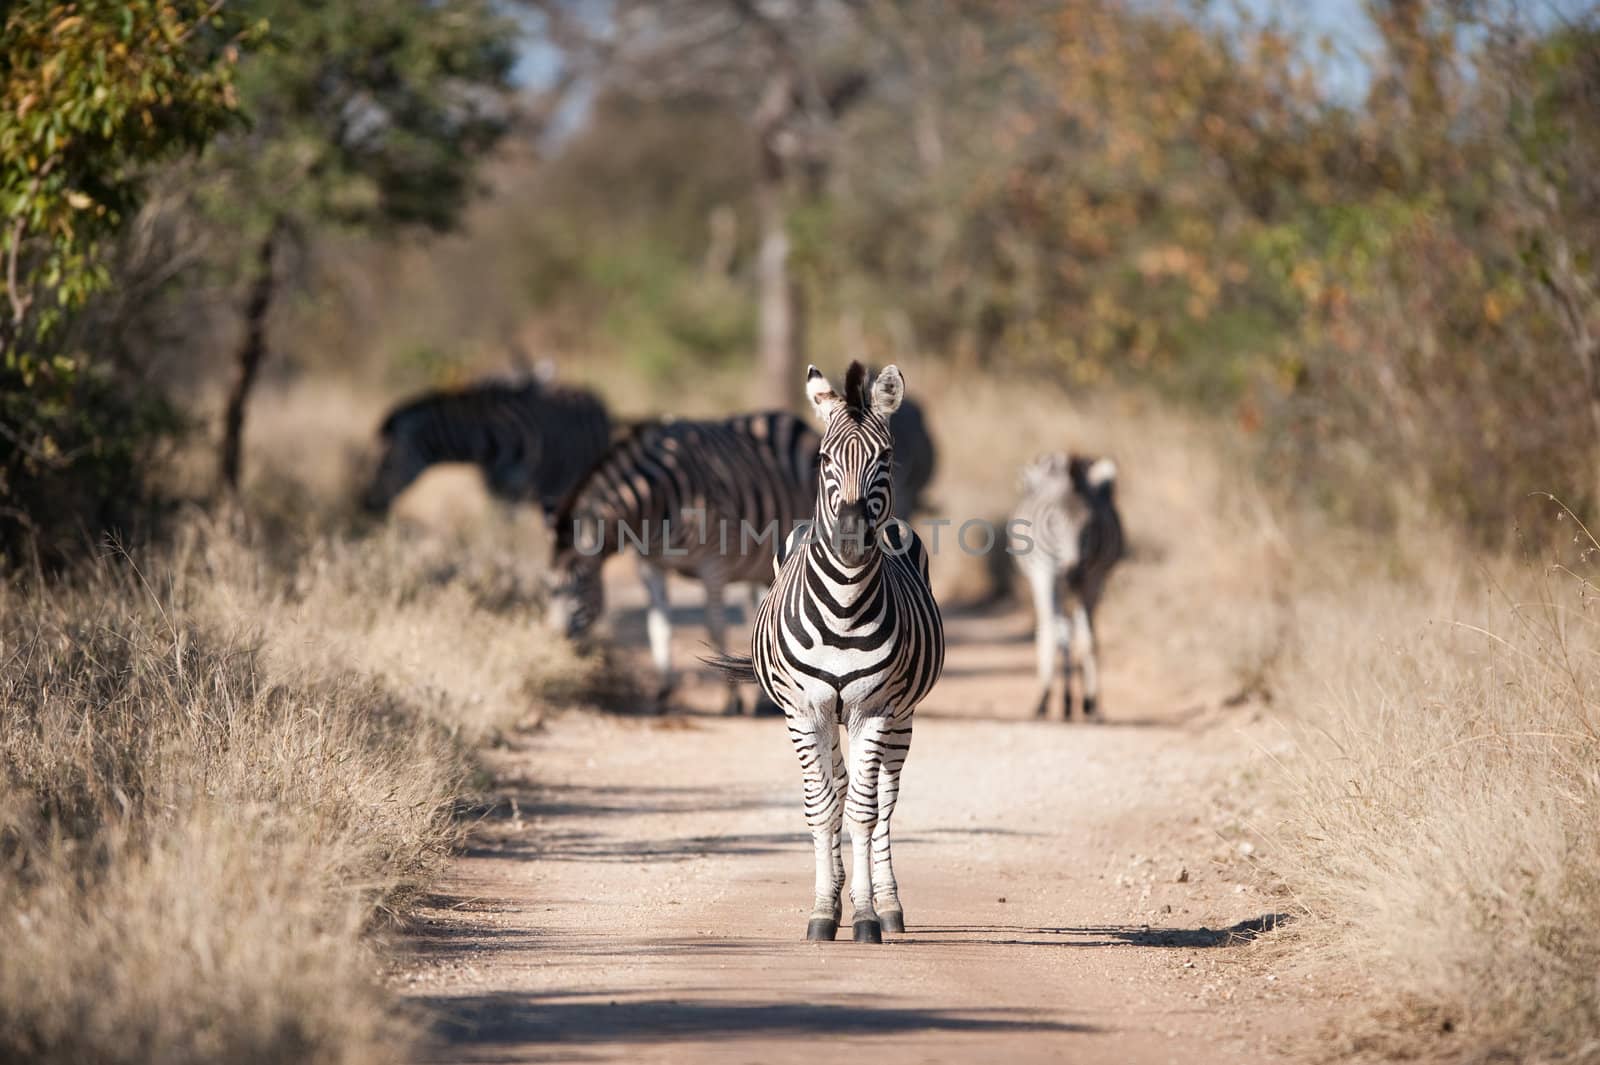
(780, 334)
(252, 349)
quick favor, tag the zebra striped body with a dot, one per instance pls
(851, 635)
(1071, 517)
(710, 500)
(532, 442)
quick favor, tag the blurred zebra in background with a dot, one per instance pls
(532, 441)
(915, 459)
(709, 500)
(850, 635)
(1071, 518)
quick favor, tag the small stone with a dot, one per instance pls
(1183, 876)
(1002, 898)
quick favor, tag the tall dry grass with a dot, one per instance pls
(220, 773)
(1441, 799)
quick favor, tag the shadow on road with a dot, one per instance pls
(514, 1018)
(1104, 935)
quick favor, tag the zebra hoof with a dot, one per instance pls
(892, 921)
(821, 929)
(868, 932)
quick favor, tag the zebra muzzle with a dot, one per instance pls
(853, 532)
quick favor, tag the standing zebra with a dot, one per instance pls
(850, 635)
(1072, 519)
(531, 441)
(710, 500)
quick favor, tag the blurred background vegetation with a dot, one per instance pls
(1363, 234)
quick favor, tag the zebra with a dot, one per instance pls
(915, 458)
(710, 500)
(1071, 518)
(850, 635)
(532, 441)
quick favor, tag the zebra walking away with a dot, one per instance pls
(531, 441)
(1071, 516)
(850, 635)
(711, 500)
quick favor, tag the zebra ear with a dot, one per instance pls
(888, 389)
(824, 400)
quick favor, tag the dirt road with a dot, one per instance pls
(1073, 893)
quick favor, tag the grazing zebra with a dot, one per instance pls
(710, 500)
(915, 458)
(1072, 520)
(531, 441)
(850, 635)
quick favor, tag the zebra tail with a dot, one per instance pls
(740, 669)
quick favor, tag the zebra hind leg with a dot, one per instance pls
(717, 629)
(1088, 663)
(1065, 639)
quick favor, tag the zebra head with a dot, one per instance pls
(574, 599)
(574, 595)
(855, 491)
(401, 462)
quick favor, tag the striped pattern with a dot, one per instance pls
(531, 441)
(1071, 518)
(851, 635)
(725, 492)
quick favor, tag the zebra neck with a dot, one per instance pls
(621, 514)
(846, 584)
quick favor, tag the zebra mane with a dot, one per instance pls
(620, 442)
(855, 388)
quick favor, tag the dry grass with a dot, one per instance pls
(1439, 770)
(1441, 800)
(193, 840)
(218, 773)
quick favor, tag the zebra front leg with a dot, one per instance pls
(816, 742)
(861, 818)
(885, 891)
(1087, 661)
(1042, 582)
(658, 625)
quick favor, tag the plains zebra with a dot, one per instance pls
(710, 500)
(1076, 533)
(915, 458)
(850, 635)
(531, 441)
